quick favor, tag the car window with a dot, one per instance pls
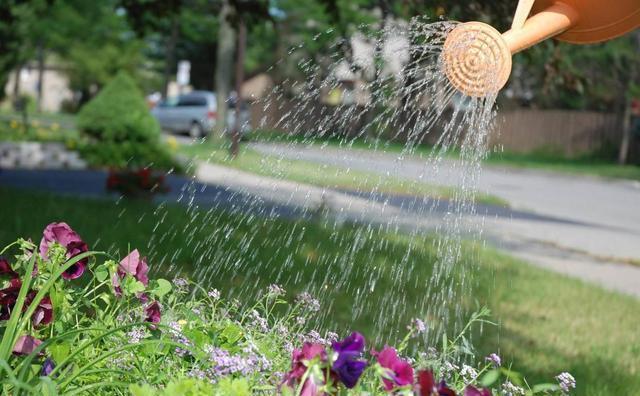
(192, 101)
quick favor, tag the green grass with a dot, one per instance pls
(587, 165)
(578, 166)
(319, 174)
(547, 322)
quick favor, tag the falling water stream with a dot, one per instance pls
(243, 243)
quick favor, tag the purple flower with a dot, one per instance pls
(494, 359)
(47, 367)
(348, 366)
(65, 236)
(473, 391)
(400, 371)
(26, 345)
(153, 313)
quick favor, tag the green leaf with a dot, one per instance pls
(59, 351)
(232, 333)
(133, 286)
(102, 273)
(545, 388)
(162, 288)
(142, 390)
(490, 378)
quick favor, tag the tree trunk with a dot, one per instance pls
(40, 77)
(16, 87)
(242, 42)
(170, 55)
(626, 132)
(224, 65)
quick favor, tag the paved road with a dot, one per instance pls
(581, 226)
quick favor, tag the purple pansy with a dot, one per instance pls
(348, 366)
(152, 311)
(47, 367)
(65, 236)
(400, 371)
(43, 315)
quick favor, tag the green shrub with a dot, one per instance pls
(120, 130)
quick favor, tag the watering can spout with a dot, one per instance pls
(477, 58)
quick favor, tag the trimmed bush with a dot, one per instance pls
(120, 130)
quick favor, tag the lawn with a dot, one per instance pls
(547, 322)
(322, 175)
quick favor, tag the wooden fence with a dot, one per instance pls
(566, 132)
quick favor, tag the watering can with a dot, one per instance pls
(477, 58)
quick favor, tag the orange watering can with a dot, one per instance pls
(477, 58)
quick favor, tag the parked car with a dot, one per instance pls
(194, 113)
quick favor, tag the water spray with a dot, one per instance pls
(477, 58)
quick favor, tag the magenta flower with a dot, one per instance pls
(153, 313)
(65, 236)
(26, 345)
(471, 390)
(400, 372)
(348, 366)
(299, 357)
(299, 361)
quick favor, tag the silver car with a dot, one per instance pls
(195, 113)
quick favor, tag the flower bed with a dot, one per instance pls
(76, 321)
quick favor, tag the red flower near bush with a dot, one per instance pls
(131, 183)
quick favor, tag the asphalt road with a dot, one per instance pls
(581, 226)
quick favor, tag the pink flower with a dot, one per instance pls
(26, 345)
(65, 236)
(400, 372)
(131, 265)
(135, 266)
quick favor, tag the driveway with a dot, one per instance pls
(581, 226)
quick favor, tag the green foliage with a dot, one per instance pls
(121, 130)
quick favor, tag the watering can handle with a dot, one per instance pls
(522, 12)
